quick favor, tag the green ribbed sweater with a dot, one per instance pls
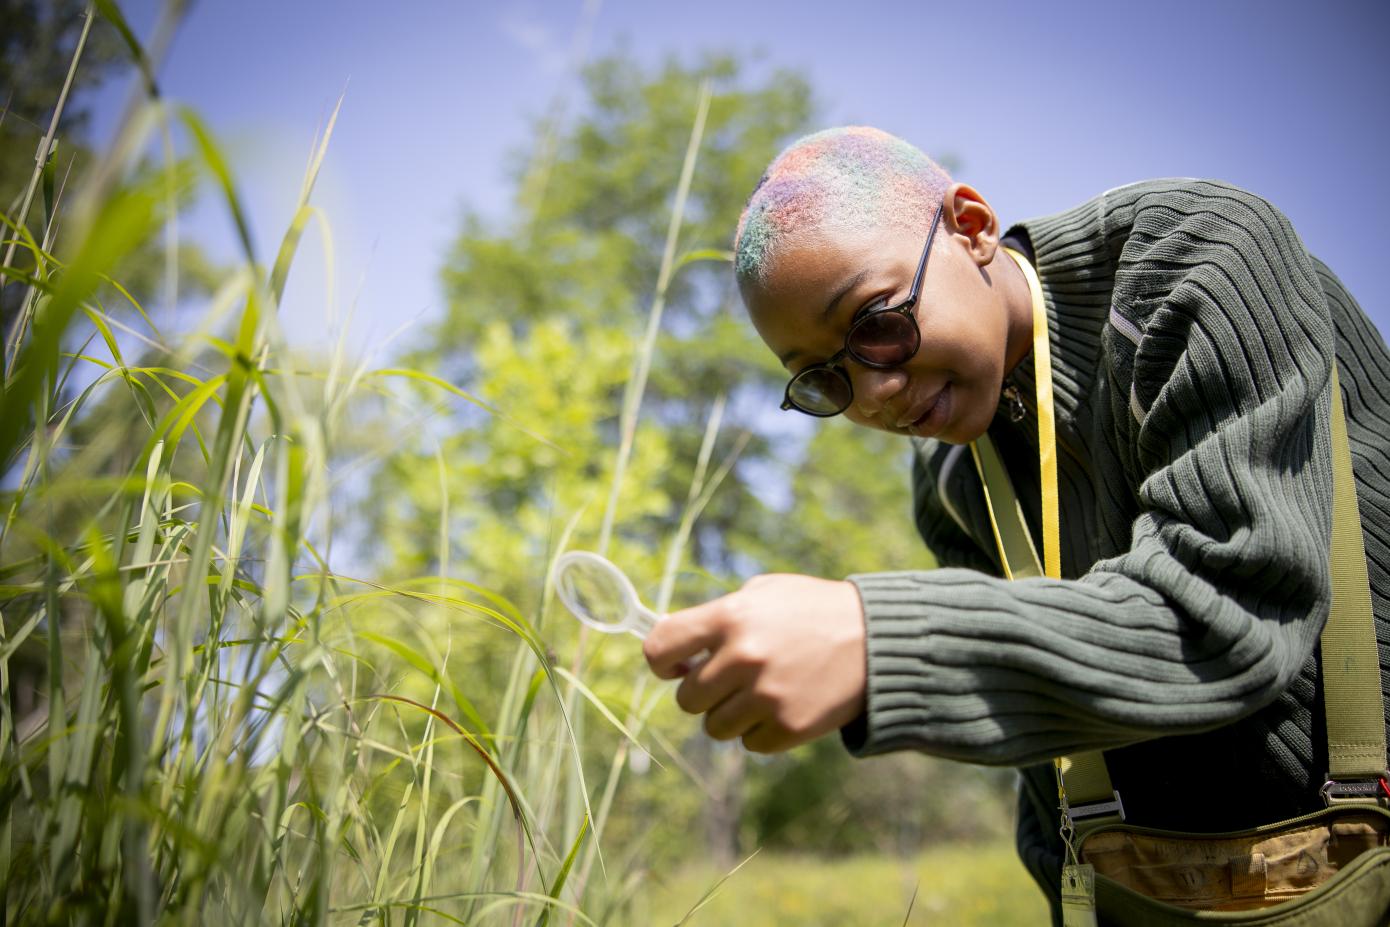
(1192, 337)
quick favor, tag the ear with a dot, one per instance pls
(965, 213)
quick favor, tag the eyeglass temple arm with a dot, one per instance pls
(911, 301)
(922, 263)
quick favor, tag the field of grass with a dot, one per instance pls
(957, 885)
(206, 719)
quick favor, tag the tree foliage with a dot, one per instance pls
(544, 311)
(37, 41)
(41, 43)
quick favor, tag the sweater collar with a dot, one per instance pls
(1076, 267)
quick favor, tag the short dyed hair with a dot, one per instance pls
(853, 178)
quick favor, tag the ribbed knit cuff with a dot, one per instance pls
(896, 704)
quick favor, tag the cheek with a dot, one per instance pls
(859, 419)
(960, 316)
(963, 338)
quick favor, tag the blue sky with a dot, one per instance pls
(1042, 104)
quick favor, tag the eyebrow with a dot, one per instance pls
(830, 307)
(843, 292)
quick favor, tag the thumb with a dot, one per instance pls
(681, 635)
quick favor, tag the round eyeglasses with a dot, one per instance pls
(880, 338)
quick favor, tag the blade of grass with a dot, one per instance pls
(713, 890)
(16, 336)
(559, 884)
(632, 397)
(415, 659)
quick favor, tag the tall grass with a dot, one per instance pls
(201, 721)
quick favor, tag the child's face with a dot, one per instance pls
(950, 388)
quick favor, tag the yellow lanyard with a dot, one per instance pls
(1019, 558)
(1016, 552)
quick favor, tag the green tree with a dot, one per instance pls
(37, 41)
(542, 316)
(39, 48)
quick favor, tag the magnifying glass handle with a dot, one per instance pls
(696, 661)
(643, 620)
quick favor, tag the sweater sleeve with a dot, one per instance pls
(1222, 593)
(933, 463)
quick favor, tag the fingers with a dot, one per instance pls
(711, 683)
(736, 716)
(769, 680)
(724, 690)
(680, 636)
(767, 737)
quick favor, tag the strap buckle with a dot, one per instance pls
(1375, 789)
(1096, 809)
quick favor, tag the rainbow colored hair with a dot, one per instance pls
(847, 179)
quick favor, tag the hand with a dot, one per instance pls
(786, 660)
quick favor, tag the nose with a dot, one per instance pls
(873, 388)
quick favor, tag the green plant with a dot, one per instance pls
(201, 719)
(192, 703)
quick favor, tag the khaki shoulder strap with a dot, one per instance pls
(1350, 660)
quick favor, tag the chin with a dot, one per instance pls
(969, 423)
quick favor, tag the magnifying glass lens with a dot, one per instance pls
(598, 593)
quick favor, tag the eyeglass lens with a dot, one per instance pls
(884, 339)
(821, 391)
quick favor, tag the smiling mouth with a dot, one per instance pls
(935, 417)
(926, 412)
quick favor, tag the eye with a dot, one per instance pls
(876, 303)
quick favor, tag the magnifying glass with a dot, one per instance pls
(600, 595)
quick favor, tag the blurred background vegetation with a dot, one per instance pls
(278, 646)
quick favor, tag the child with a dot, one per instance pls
(1192, 340)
